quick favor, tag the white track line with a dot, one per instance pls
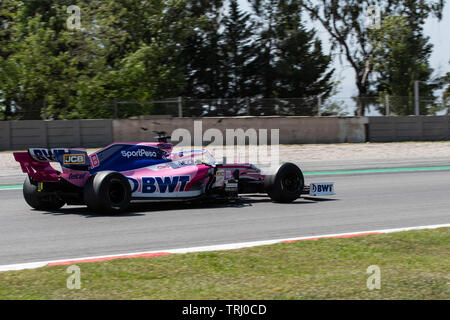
(231, 246)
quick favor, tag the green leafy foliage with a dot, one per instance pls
(203, 49)
(349, 24)
(290, 63)
(401, 57)
(147, 50)
(446, 95)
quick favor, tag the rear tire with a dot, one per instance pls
(107, 192)
(36, 201)
(286, 185)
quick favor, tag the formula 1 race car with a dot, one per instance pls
(108, 180)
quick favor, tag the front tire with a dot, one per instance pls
(107, 192)
(37, 201)
(286, 185)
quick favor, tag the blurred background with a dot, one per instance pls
(199, 58)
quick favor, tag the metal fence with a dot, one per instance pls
(183, 107)
(314, 106)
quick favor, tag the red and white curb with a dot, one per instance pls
(231, 246)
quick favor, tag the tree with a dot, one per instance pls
(400, 57)
(342, 19)
(234, 55)
(202, 59)
(30, 72)
(301, 67)
(291, 63)
(446, 94)
(124, 50)
(238, 52)
(8, 13)
(237, 61)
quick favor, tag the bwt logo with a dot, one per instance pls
(322, 188)
(160, 184)
(74, 159)
(139, 154)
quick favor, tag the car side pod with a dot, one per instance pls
(286, 185)
(107, 192)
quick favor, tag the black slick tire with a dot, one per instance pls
(35, 199)
(108, 193)
(286, 185)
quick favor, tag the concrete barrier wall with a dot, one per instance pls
(293, 130)
(409, 128)
(19, 135)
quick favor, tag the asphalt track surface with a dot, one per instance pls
(363, 202)
(8, 178)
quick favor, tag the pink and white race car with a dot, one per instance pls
(108, 180)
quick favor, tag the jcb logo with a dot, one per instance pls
(74, 159)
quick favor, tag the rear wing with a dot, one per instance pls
(36, 162)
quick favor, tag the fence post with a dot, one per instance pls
(416, 96)
(388, 107)
(180, 107)
(319, 106)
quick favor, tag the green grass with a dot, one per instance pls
(414, 265)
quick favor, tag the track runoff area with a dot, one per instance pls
(369, 201)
